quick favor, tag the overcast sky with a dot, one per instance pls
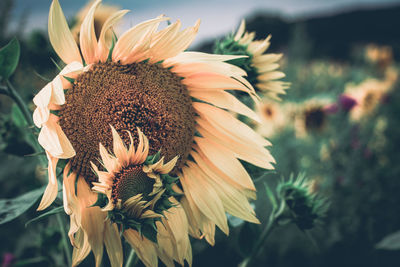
(217, 17)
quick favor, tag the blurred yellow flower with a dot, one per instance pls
(311, 116)
(369, 94)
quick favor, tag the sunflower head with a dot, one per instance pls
(311, 116)
(135, 188)
(261, 67)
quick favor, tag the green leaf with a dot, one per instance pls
(12, 208)
(390, 242)
(48, 213)
(9, 57)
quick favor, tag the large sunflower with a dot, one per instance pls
(171, 106)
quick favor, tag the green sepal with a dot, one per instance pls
(101, 201)
(149, 230)
(71, 80)
(113, 42)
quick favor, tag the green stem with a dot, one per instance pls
(249, 261)
(132, 259)
(17, 98)
(11, 92)
(67, 248)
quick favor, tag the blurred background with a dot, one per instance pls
(339, 123)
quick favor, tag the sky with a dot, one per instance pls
(218, 17)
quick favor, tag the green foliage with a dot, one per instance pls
(390, 242)
(9, 57)
(44, 215)
(12, 208)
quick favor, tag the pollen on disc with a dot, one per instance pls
(127, 96)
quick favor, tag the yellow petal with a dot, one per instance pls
(53, 140)
(205, 198)
(267, 58)
(60, 36)
(82, 249)
(41, 116)
(225, 100)
(234, 201)
(92, 219)
(167, 167)
(271, 76)
(51, 191)
(120, 150)
(130, 43)
(240, 31)
(113, 244)
(226, 123)
(224, 161)
(144, 248)
(103, 48)
(255, 155)
(87, 36)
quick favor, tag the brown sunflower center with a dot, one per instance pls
(314, 119)
(130, 182)
(127, 96)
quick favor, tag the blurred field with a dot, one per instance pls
(350, 152)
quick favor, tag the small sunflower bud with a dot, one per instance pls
(304, 207)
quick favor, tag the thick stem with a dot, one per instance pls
(132, 259)
(67, 248)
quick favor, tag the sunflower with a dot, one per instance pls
(311, 116)
(159, 98)
(275, 117)
(260, 66)
(367, 95)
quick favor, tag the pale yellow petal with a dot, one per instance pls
(205, 198)
(103, 49)
(51, 191)
(267, 58)
(120, 150)
(225, 161)
(271, 76)
(128, 44)
(255, 155)
(82, 249)
(113, 244)
(87, 35)
(41, 116)
(240, 31)
(60, 36)
(234, 201)
(226, 123)
(144, 248)
(53, 140)
(225, 100)
(92, 219)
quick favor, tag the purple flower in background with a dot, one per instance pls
(8, 259)
(346, 102)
